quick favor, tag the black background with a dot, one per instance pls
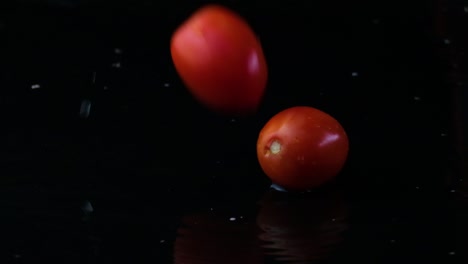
(148, 155)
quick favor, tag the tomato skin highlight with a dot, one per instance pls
(220, 60)
(302, 148)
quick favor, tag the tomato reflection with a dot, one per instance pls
(208, 238)
(302, 228)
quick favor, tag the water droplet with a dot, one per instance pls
(85, 108)
(417, 98)
(116, 65)
(87, 207)
(166, 85)
(94, 77)
(117, 51)
(354, 74)
(278, 188)
(447, 41)
(35, 86)
(232, 219)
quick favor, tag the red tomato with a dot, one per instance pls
(301, 148)
(220, 60)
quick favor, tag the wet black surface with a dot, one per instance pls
(106, 158)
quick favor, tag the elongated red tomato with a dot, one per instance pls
(220, 60)
(301, 148)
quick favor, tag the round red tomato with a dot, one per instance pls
(220, 60)
(301, 148)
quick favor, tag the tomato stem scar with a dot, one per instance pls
(275, 147)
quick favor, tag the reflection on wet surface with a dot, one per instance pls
(287, 228)
(301, 228)
(212, 239)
